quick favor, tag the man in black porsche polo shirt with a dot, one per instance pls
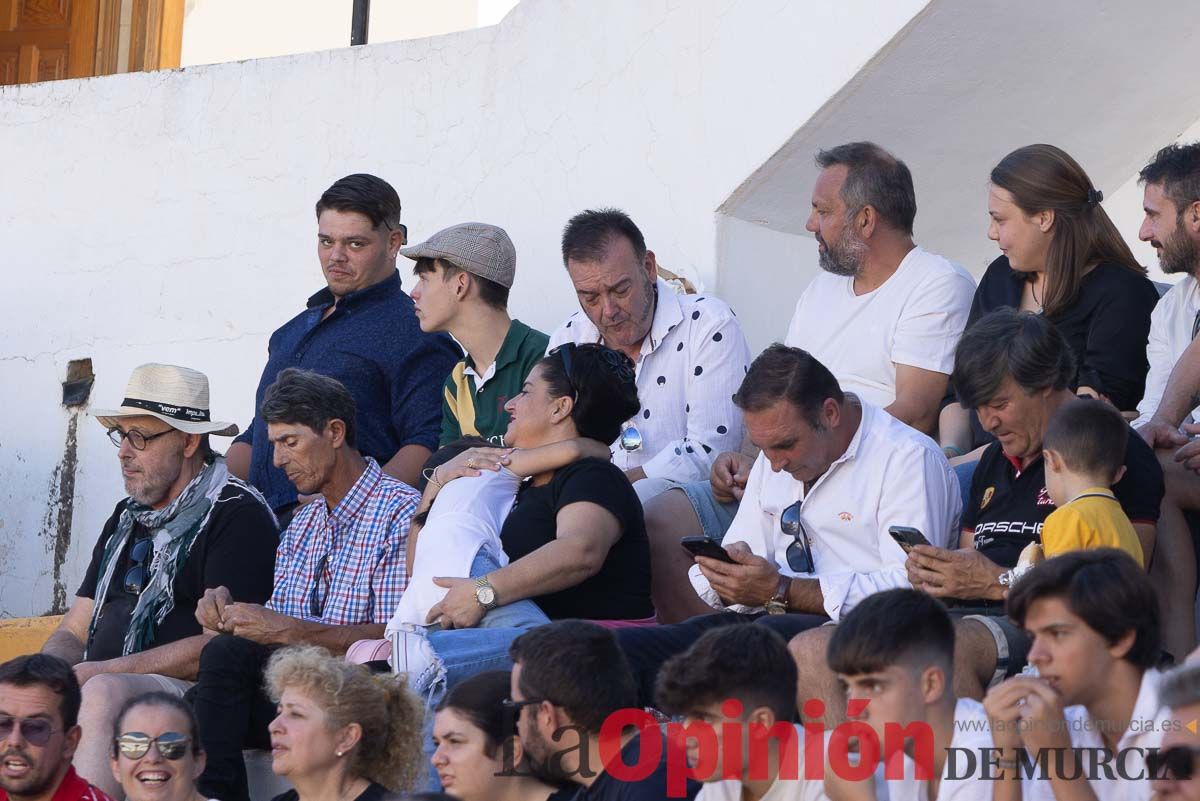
(1014, 368)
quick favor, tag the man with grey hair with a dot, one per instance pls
(464, 274)
(339, 572)
(1173, 769)
(884, 315)
(186, 526)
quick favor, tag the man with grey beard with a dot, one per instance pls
(187, 525)
(884, 315)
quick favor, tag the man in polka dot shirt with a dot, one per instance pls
(689, 352)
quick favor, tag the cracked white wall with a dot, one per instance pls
(168, 216)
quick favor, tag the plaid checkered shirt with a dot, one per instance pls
(347, 566)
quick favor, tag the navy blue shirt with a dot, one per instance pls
(374, 345)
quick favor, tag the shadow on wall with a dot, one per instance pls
(951, 94)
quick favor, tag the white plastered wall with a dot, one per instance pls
(168, 216)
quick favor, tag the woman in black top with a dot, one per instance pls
(576, 538)
(1061, 256)
(341, 733)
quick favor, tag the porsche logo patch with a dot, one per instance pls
(987, 497)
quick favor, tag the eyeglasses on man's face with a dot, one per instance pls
(1177, 762)
(516, 706)
(35, 731)
(136, 438)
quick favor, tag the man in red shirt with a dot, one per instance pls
(39, 731)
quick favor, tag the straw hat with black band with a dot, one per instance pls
(176, 395)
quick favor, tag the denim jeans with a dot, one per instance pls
(462, 653)
(965, 473)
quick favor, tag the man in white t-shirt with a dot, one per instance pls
(1172, 225)
(736, 691)
(1083, 726)
(884, 315)
(894, 655)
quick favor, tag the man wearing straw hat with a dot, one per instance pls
(186, 525)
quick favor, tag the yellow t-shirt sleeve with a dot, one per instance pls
(1065, 530)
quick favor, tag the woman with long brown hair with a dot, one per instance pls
(1061, 256)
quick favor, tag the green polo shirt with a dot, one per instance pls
(469, 410)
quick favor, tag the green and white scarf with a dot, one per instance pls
(174, 529)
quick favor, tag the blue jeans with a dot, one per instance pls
(462, 653)
(965, 473)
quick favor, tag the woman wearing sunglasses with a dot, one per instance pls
(341, 733)
(479, 755)
(576, 539)
(156, 755)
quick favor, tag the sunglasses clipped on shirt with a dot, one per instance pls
(799, 552)
(35, 731)
(136, 744)
(1177, 762)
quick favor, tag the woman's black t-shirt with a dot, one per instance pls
(1106, 327)
(621, 589)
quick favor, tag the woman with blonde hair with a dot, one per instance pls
(342, 734)
(1061, 257)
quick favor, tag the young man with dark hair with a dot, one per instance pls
(1094, 621)
(740, 682)
(811, 535)
(1175, 769)
(339, 572)
(689, 351)
(895, 653)
(568, 677)
(361, 330)
(39, 732)
(464, 274)
(1169, 414)
(1084, 450)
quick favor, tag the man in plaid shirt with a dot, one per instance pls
(339, 571)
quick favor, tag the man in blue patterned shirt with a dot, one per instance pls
(360, 329)
(339, 572)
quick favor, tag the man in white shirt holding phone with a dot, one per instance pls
(810, 538)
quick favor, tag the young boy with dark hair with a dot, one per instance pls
(1083, 726)
(1084, 451)
(895, 652)
(464, 274)
(740, 679)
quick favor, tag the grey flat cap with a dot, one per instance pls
(482, 249)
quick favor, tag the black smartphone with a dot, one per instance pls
(907, 536)
(703, 546)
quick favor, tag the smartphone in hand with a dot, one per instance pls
(703, 546)
(906, 537)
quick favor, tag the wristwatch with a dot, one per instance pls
(485, 593)
(778, 604)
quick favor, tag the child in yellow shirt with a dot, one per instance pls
(1084, 452)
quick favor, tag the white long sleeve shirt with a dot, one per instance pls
(691, 363)
(890, 475)
(1170, 333)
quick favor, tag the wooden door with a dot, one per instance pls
(43, 40)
